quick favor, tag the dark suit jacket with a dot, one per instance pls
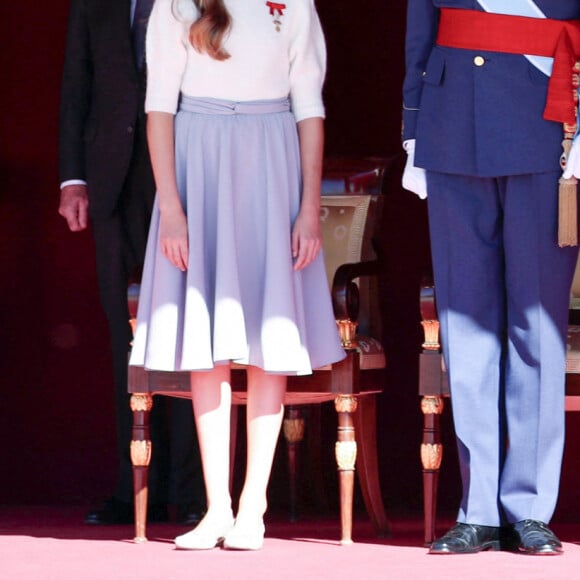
(482, 121)
(101, 100)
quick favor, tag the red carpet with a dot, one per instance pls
(50, 543)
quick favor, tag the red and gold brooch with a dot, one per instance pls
(276, 12)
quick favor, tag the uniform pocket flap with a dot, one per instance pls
(433, 74)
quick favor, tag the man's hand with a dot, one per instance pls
(74, 206)
(414, 178)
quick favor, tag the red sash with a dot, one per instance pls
(560, 39)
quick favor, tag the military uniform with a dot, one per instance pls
(502, 282)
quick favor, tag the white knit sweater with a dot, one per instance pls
(265, 63)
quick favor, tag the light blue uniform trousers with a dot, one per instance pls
(502, 287)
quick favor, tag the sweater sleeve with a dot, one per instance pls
(307, 64)
(166, 50)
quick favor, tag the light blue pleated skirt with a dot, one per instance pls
(238, 173)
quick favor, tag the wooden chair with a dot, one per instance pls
(573, 346)
(347, 225)
(434, 389)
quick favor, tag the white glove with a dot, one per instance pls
(573, 161)
(414, 178)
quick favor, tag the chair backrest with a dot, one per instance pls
(348, 223)
(344, 227)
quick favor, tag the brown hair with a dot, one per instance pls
(207, 32)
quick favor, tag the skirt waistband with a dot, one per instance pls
(210, 106)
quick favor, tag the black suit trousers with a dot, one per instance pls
(175, 473)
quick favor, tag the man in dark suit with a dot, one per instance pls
(106, 175)
(484, 142)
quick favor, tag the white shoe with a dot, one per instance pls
(204, 537)
(245, 538)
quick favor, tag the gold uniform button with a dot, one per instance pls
(479, 61)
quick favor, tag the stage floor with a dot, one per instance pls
(51, 543)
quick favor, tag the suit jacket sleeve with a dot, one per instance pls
(422, 22)
(75, 95)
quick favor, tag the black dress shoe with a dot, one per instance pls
(188, 515)
(537, 539)
(117, 512)
(467, 539)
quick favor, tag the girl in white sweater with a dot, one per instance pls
(234, 271)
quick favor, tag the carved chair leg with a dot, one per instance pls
(293, 427)
(141, 405)
(345, 451)
(367, 469)
(431, 456)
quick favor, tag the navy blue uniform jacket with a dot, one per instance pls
(483, 121)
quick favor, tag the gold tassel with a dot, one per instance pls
(567, 212)
(567, 190)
